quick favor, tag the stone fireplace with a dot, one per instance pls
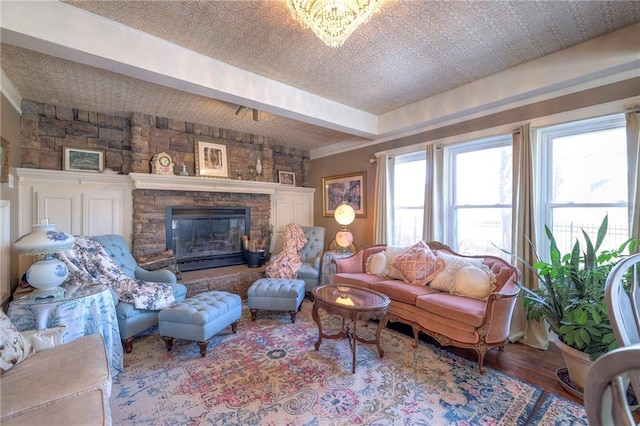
(206, 237)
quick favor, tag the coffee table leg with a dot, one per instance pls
(381, 325)
(353, 344)
(316, 319)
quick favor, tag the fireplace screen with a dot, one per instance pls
(207, 237)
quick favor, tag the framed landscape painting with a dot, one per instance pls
(83, 160)
(340, 189)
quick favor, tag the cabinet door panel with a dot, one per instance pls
(101, 213)
(61, 208)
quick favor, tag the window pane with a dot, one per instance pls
(407, 227)
(567, 222)
(483, 176)
(409, 184)
(479, 229)
(408, 202)
(590, 167)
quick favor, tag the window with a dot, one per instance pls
(408, 198)
(478, 206)
(584, 177)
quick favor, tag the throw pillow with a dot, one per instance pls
(14, 348)
(45, 339)
(418, 265)
(376, 264)
(391, 252)
(474, 282)
(452, 264)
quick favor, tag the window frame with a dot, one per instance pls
(544, 138)
(451, 208)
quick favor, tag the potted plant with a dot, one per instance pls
(571, 298)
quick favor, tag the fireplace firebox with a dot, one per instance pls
(206, 237)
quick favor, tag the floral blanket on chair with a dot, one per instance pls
(287, 263)
(89, 264)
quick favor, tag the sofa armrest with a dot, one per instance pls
(159, 276)
(316, 262)
(349, 265)
(500, 308)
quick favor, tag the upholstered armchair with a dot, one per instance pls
(311, 255)
(133, 321)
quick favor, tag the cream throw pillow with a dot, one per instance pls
(474, 282)
(376, 264)
(452, 264)
(14, 347)
(391, 253)
(47, 338)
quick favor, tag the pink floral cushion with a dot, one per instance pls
(418, 264)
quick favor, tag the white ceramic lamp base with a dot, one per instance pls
(46, 276)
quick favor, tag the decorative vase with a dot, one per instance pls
(577, 362)
(258, 167)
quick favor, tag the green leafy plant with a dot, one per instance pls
(571, 295)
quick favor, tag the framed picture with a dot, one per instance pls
(4, 160)
(211, 160)
(83, 160)
(344, 189)
(287, 178)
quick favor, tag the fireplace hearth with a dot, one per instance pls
(206, 237)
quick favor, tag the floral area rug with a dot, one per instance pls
(556, 411)
(269, 373)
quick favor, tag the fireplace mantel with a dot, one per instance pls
(195, 183)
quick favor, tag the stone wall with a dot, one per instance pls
(130, 141)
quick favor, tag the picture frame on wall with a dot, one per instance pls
(211, 160)
(4, 160)
(83, 160)
(286, 178)
(348, 188)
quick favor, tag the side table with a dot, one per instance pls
(83, 309)
(327, 268)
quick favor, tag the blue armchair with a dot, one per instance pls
(133, 321)
(311, 255)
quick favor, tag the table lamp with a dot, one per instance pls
(345, 216)
(47, 274)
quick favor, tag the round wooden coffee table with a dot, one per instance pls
(351, 303)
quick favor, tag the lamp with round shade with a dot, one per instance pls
(47, 274)
(344, 215)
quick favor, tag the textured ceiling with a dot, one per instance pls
(409, 51)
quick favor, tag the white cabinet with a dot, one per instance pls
(78, 203)
(291, 205)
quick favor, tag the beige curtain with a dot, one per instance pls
(633, 169)
(383, 212)
(531, 333)
(433, 208)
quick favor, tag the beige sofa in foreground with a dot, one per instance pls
(451, 319)
(66, 385)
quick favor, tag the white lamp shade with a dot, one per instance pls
(44, 239)
(344, 214)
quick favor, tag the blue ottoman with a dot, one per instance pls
(199, 318)
(276, 294)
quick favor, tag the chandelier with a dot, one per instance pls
(333, 21)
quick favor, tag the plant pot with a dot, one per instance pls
(577, 362)
(254, 258)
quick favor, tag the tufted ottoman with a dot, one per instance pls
(276, 294)
(199, 318)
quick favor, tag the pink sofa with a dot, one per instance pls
(450, 319)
